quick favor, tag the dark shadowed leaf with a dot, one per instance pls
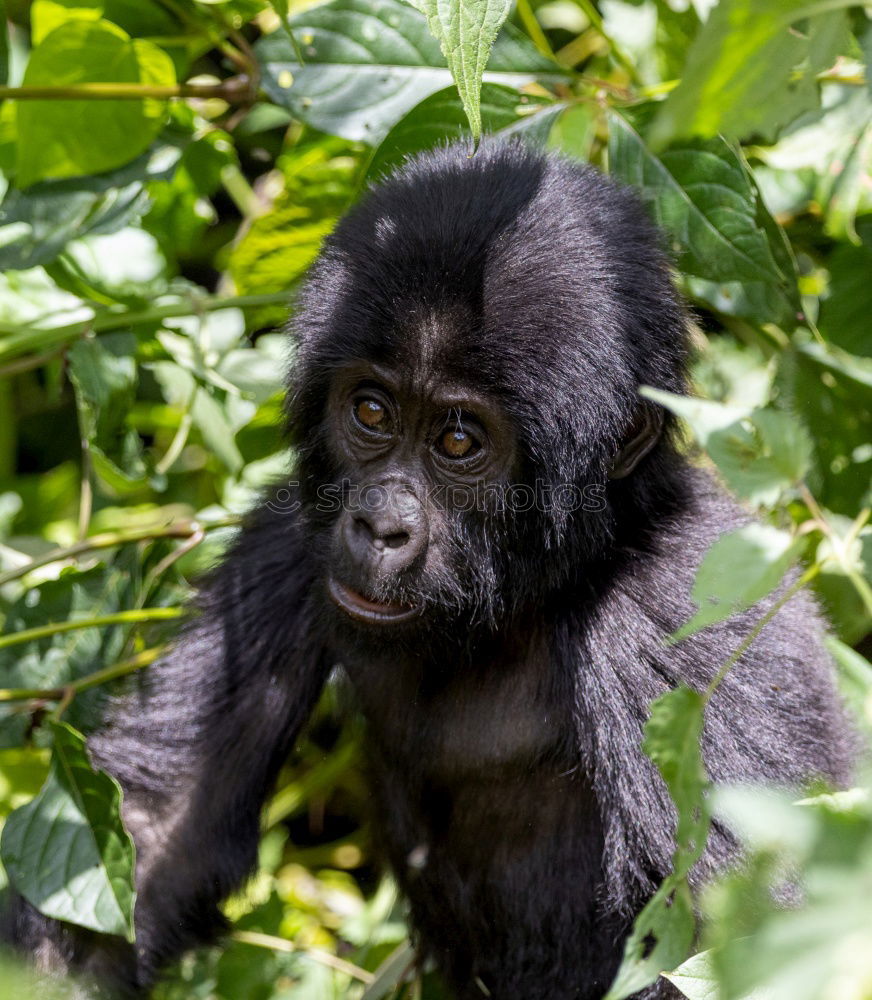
(441, 117)
(367, 64)
(720, 233)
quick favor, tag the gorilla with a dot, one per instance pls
(490, 537)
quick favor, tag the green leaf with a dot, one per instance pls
(368, 64)
(46, 15)
(56, 660)
(761, 453)
(696, 978)
(182, 390)
(72, 138)
(664, 931)
(703, 195)
(440, 117)
(749, 71)
(390, 973)
(855, 678)
(38, 223)
(67, 851)
(739, 570)
(104, 376)
(829, 356)
(672, 735)
(466, 30)
(835, 141)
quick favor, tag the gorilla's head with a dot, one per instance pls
(464, 400)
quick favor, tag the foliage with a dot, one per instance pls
(168, 169)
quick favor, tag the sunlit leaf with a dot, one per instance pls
(466, 30)
(739, 570)
(749, 71)
(70, 138)
(663, 932)
(67, 851)
(761, 453)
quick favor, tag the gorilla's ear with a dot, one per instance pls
(643, 434)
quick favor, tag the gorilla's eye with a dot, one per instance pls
(457, 443)
(371, 413)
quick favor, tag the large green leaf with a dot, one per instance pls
(67, 851)
(703, 195)
(440, 117)
(739, 570)
(36, 225)
(749, 72)
(73, 138)
(663, 932)
(368, 64)
(761, 453)
(466, 30)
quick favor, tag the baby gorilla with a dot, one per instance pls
(493, 534)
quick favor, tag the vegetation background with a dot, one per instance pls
(167, 171)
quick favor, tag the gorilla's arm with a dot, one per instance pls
(196, 751)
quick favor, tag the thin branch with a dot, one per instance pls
(155, 575)
(315, 954)
(108, 540)
(749, 639)
(235, 90)
(117, 670)
(28, 364)
(25, 341)
(621, 57)
(99, 621)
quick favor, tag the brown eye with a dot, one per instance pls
(371, 413)
(457, 443)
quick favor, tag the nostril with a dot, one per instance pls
(363, 527)
(397, 540)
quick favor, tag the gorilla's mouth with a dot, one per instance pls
(363, 609)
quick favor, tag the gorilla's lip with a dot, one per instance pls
(365, 610)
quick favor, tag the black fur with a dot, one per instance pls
(512, 798)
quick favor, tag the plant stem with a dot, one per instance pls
(746, 643)
(316, 954)
(534, 29)
(108, 540)
(122, 669)
(119, 618)
(230, 90)
(39, 339)
(621, 57)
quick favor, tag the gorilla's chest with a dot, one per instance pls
(466, 722)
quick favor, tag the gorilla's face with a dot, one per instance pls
(423, 467)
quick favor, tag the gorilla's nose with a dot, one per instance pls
(388, 531)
